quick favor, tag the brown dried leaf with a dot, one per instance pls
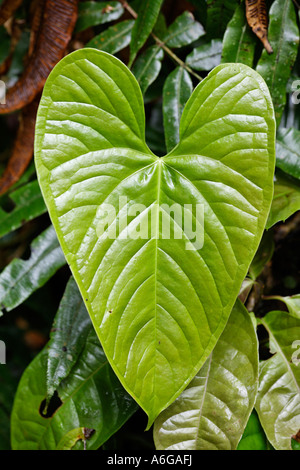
(256, 14)
(23, 148)
(37, 8)
(7, 9)
(58, 21)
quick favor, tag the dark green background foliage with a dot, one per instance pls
(54, 358)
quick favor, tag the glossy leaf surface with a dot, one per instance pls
(205, 57)
(218, 15)
(293, 304)
(23, 277)
(94, 13)
(27, 202)
(286, 200)
(284, 38)
(178, 88)
(254, 437)
(212, 412)
(147, 15)
(146, 297)
(278, 400)
(288, 151)
(147, 66)
(183, 31)
(91, 396)
(69, 333)
(113, 39)
(238, 41)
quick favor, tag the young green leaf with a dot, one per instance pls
(27, 204)
(293, 305)
(94, 13)
(220, 397)
(205, 57)
(178, 88)
(147, 66)
(286, 200)
(147, 16)
(144, 291)
(292, 302)
(183, 31)
(238, 41)
(70, 330)
(288, 151)
(113, 39)
(254, 437)
(284, 38)
(90, 397)
(21, 278)
(278, 399)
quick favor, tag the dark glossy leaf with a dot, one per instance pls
(238, 41)
(158, 328)
(155, 136)
(254, 437)
(262, 256)
(113, 39)
(178, 88)
(147, 66)
(160, 28)
(147, 16)
(219, 12)
(94, 13)
(205, 57)
(70, 330)
(212, 412)
(278, 399)
(91, 396)
(288, 151)
(284, 38)
(286, 200)
(21, 278)
(28, 203)
(183, 31)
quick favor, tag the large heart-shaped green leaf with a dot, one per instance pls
(158, 304)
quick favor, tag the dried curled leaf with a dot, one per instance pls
(7, 9)
(23, 148)
(58, 21)
(256, 14)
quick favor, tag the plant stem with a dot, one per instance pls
(160, 43)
